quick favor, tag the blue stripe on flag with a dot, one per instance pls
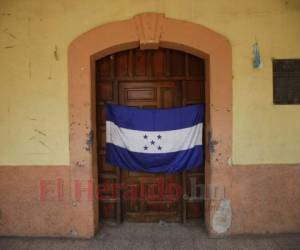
(154, 163)
(155, 119)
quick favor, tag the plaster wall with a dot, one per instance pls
(35, 36)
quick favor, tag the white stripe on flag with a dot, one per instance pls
(154, 141)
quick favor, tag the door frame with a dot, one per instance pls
(148, 31)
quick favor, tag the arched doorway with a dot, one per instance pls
(160, 78)
(148, 31)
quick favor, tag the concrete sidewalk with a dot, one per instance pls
(155, 236)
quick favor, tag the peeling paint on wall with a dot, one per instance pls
(73, 233)
(222, 217)
(211, 143)
(40, 132)
(89, 141)
(9, 34)
(44, 144)
(79, 164)
(257, 63)
(5, 14)
(55, 53)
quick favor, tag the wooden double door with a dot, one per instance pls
(160, 78)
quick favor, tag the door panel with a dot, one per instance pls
(152, 204)
(148, 79)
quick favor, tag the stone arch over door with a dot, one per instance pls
(147, 31)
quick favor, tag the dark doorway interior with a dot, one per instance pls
(160, 78)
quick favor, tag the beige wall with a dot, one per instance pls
(33, 71)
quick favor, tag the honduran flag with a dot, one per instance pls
(154, 140)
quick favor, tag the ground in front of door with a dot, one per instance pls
(155, 236)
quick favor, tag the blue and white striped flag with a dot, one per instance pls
(154, 140)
